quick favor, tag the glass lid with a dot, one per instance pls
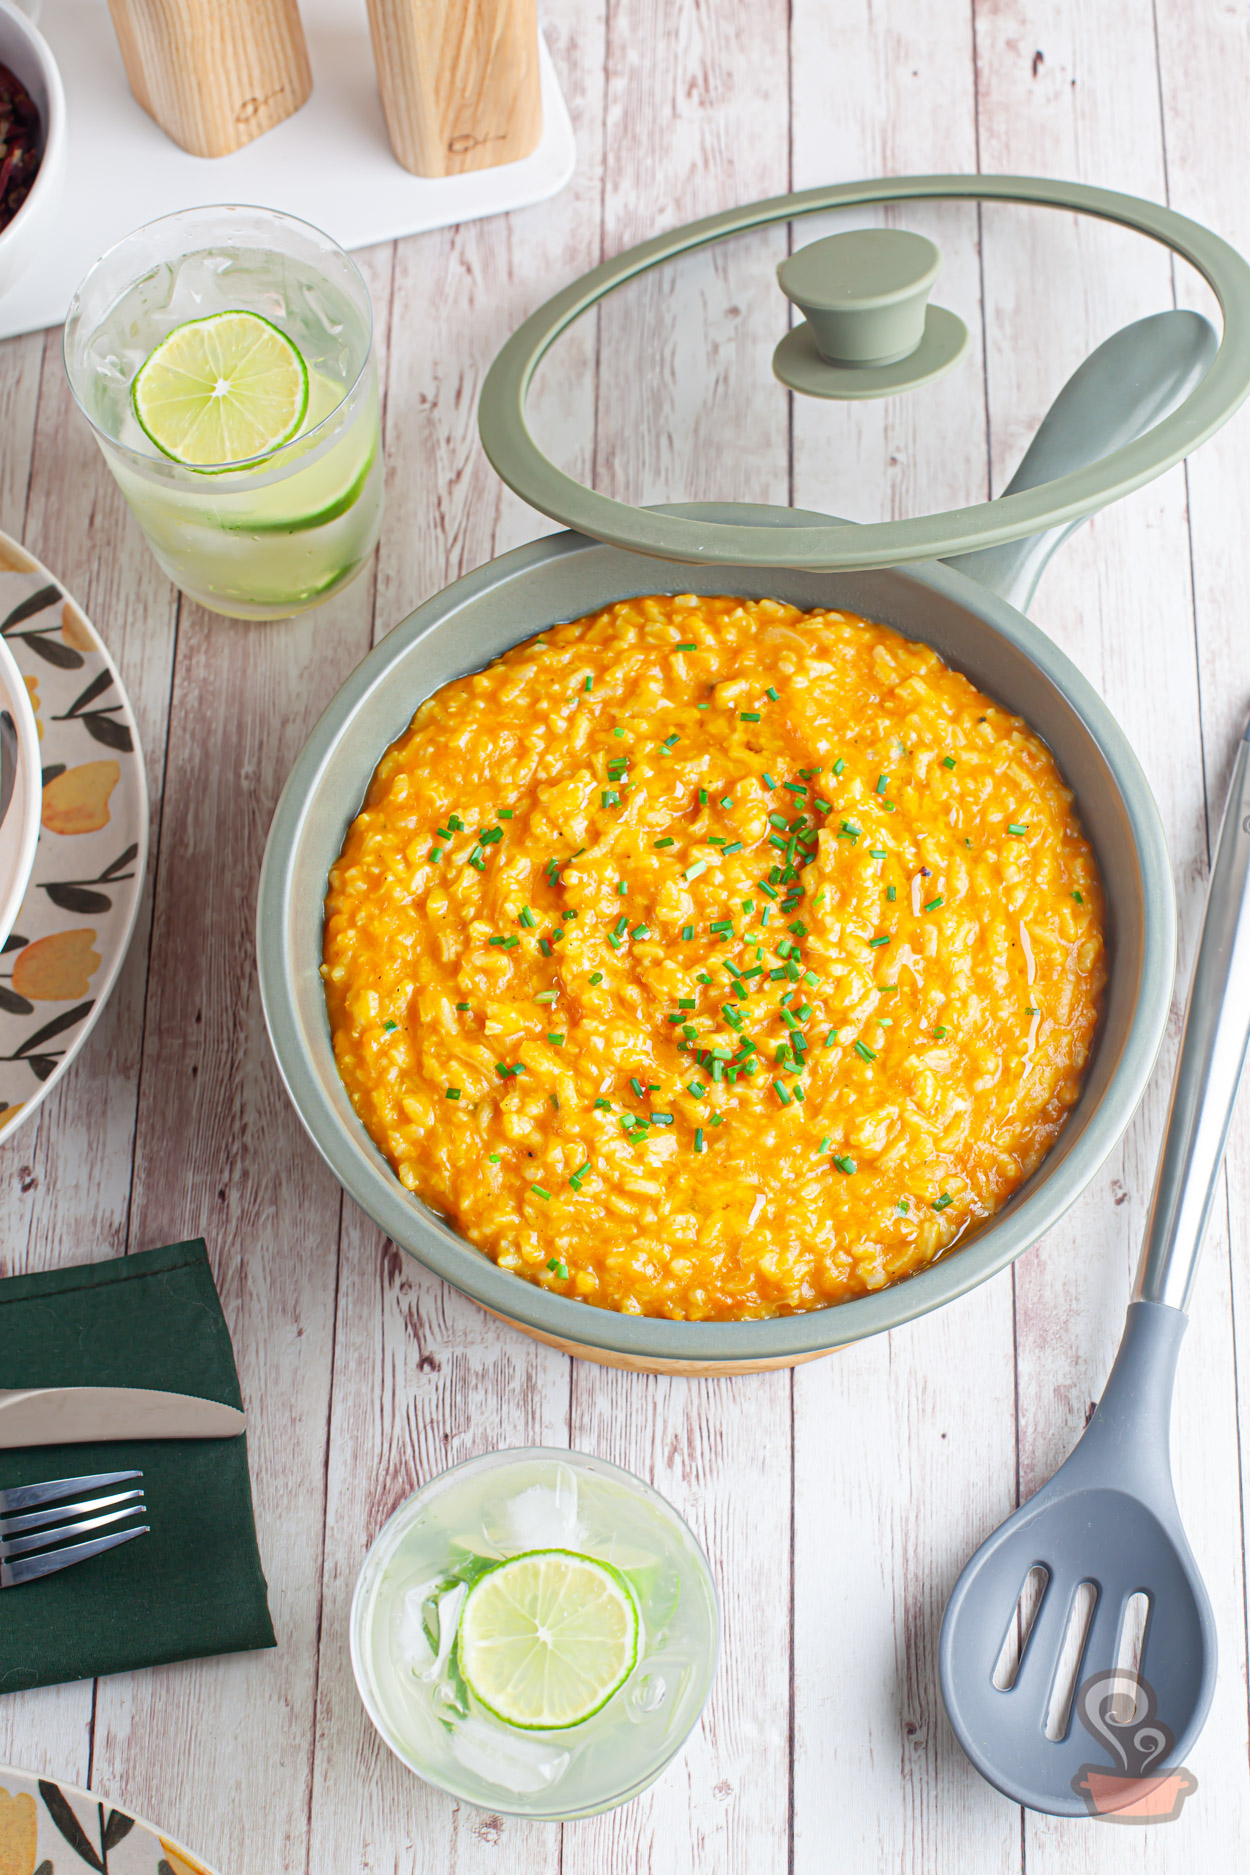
(928, 325)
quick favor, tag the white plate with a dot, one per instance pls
(62, 957)
(329, 163)
(46, 1826)
(19, 830)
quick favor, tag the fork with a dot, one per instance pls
(32, 1517)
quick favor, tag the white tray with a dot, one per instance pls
(330, 163)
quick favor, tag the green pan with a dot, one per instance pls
(967, 611)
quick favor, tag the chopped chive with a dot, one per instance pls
(781, 1093)
(580, 1172)
(770, 692)
(831, 1038)
(1078, 898)
(826, 807)
(687, 932)
(689, 646)
(388, 1026)
(703, 797)
(528, 919)
(589, 685)
(452, 1093)
(765, 887)
(618, 732)
(864, 1052)
(940, 1204)
(661, 1119)
(726, 800)
(668, 840)
(735, 846)
(640, 931)
(768, 781)
(939, 1035)
(545, 996)
(697, 1088)
(891, 894)
(903, 1206)
(876, 943)
(838, 766)
(690, 1032)
(494, 1158)
(540, 1191)
(698, 1139)
(557, 1041)
(597, 977)
(934, 903)
(748, 716)
(670, 740)
(881, 781)
(1019, 830)
(824, 1144)
(948, 761)
(637, 1086)
(693, 872)
(849, 831)
(435, 853)
(844, 1162)
(877, 852)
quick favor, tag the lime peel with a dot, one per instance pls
(222, 390)
(547, 1637)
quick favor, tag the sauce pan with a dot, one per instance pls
(969, 611)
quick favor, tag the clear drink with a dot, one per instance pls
(407, 1630)
(285, 530)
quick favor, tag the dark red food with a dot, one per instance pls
(19, 144)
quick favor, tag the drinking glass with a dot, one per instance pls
(272, 536)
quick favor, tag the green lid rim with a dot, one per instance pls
(522, 465)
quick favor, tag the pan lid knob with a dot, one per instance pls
(868, 329)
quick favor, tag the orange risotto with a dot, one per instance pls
(710, 959)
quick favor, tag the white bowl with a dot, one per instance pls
(19, 830)
(26, 53)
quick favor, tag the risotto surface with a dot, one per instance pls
(710, 959)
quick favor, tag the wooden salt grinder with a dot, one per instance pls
(214, 73)
(459, 81)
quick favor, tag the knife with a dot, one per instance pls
(86, 1415)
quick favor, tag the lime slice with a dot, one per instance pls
(224, 389)
(547, 1637)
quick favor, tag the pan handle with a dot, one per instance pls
(1122, 390)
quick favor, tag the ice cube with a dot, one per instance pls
(412, 1639)
(646, 1696)
(543, 1516)
(412, 1643)
(509, 1760)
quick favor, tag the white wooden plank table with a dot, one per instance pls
(837, 1502)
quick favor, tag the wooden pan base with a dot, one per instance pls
(656, 1364)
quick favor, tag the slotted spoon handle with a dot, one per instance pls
(1213, 1051)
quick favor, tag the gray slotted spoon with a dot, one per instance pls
(1109, 1515)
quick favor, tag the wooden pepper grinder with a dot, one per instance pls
(459, 81)
(214, 73)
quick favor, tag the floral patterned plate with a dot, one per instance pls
(69, 938)
(56, 1829)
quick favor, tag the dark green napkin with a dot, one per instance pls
(194, 1586)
